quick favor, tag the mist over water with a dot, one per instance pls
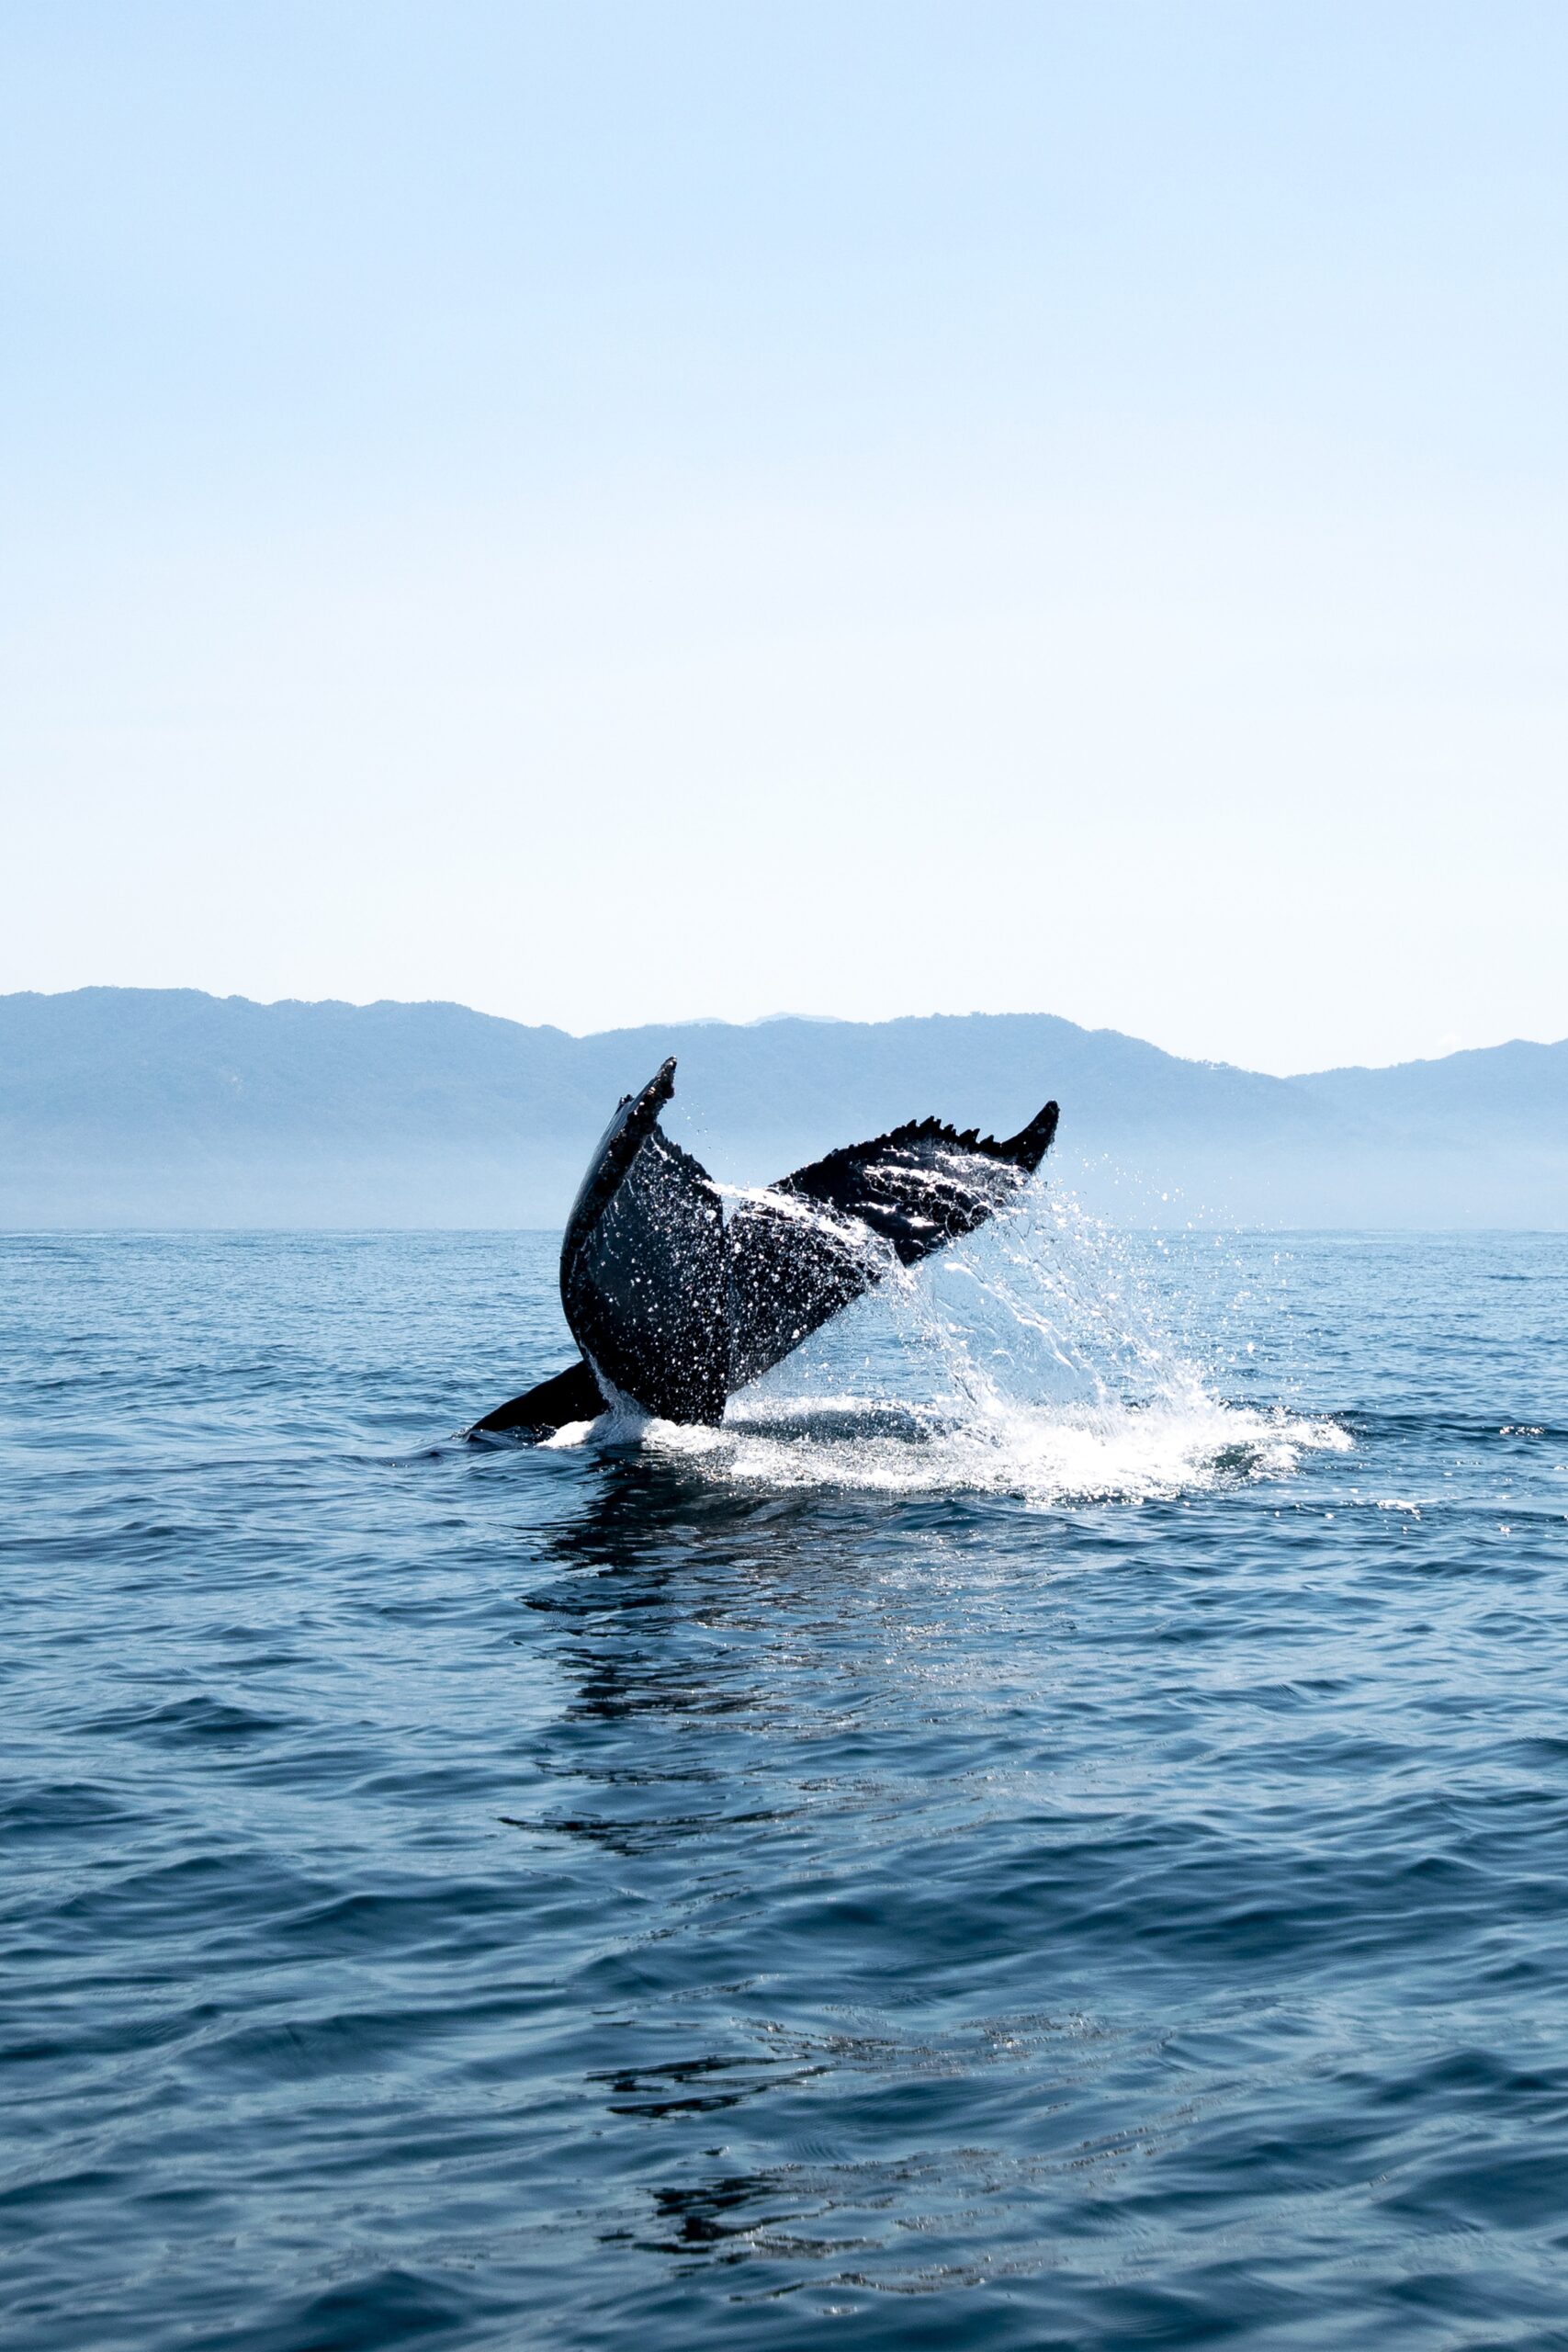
(1050, 1826)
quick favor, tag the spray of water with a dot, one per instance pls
(1041, 1358)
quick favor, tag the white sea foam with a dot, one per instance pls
(1038, 1453)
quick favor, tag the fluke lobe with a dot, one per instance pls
(675, 1305)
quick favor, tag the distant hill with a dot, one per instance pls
(168, 1107)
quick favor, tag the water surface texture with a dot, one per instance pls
(1051, 1829)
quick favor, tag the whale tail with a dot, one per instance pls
(675, 1306)
(570, 1395)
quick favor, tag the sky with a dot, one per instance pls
(616, 513)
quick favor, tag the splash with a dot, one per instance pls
(1049, 1359)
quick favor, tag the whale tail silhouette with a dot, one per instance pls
(675, 1305)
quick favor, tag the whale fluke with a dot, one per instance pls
(904, 1194)
(571, 1396)
(675, 1304)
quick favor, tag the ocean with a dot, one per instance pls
(1050, 1829)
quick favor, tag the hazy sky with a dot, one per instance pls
(617, 511)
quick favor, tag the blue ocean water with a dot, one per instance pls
(1052, 1830)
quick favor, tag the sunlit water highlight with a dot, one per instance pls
(1050, 1828)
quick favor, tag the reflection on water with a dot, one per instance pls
(856, 1870)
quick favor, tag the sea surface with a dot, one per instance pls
(1051, 1829)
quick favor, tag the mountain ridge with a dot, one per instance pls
(176, 1106)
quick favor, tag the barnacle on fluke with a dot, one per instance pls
(675, 1304)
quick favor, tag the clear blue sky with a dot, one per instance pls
(615, 511)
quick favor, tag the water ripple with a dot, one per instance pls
(1051, 1827)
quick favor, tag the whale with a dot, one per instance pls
(678, 1293)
